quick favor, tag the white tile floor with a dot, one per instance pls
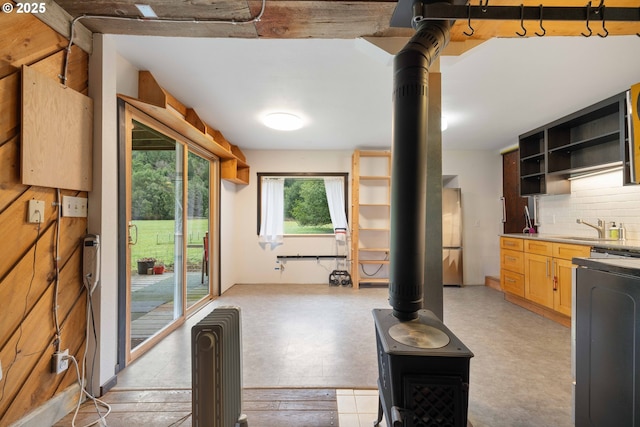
(357, 408)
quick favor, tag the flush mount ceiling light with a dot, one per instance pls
(282, 121)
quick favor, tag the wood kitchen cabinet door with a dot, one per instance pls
(562, 286)
(538, 279)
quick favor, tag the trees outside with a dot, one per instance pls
(153, 178)
(305, 201)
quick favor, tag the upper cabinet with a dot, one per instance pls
(591, 139)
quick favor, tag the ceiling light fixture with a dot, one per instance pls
(146, 11)
(282, 121)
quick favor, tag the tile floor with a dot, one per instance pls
(318, 336)
(357, 408)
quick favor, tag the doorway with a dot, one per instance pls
(167, 232)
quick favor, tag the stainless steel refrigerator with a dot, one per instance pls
(451, 237)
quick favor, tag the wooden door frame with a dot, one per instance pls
(126, 114)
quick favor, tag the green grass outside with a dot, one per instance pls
(156, 240)
(156, 237)
(292, 227)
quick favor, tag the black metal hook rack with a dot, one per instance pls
(483, 11)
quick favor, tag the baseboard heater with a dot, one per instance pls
(216, 370)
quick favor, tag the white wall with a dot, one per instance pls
(600, 196)
(103, 202)
(255, 264)
(479, 175)
(229, 265)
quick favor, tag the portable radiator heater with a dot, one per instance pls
(216, 370)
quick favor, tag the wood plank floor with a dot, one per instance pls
(273, 407)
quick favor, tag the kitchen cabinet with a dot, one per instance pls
(512, 266)
(538, 282)
(593, 138)
(539, 272)
(547, 270)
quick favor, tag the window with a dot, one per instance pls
(305, 207)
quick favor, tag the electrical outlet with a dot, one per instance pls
(36, 211)
(60, 361)
(74, 206)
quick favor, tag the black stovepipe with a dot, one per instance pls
(409, 166)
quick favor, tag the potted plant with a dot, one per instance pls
(158, 268)
(146, 264)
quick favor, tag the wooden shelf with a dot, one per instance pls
(162, 106)
(375, 178)
(371, 192)
(235, 171)
(374, 261)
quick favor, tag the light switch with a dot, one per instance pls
(74, 206)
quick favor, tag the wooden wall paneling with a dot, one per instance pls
(58, 19)
(9, 106)
(34, 373)
(28, 383)
(18, 293)
(34, 342)
(25, 40)
(15, 229)
(57, 134)
(77, 69)
(14, 297)
(10, 185)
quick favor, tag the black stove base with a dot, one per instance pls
(423, 372)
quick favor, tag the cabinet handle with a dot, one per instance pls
(510, 280)
(547, 266)
(504, 209)
(509, 258)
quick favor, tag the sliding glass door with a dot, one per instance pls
(168, 237)
(198, 189)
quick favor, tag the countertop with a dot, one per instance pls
(628, 266)
(629, 244)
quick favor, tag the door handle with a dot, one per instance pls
(132, 241)
(504, 209)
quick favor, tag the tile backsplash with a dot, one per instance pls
(600, 196)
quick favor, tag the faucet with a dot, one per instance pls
(600, 227)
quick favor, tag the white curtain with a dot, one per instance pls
(334, 187)
(272, 211)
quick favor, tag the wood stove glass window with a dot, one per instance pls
(310, 204)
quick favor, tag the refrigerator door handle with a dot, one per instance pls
(504, 209)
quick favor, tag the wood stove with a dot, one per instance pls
(423, 368)
(423, 372)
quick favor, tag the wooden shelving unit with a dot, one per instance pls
(162, 106)
(370, 211)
